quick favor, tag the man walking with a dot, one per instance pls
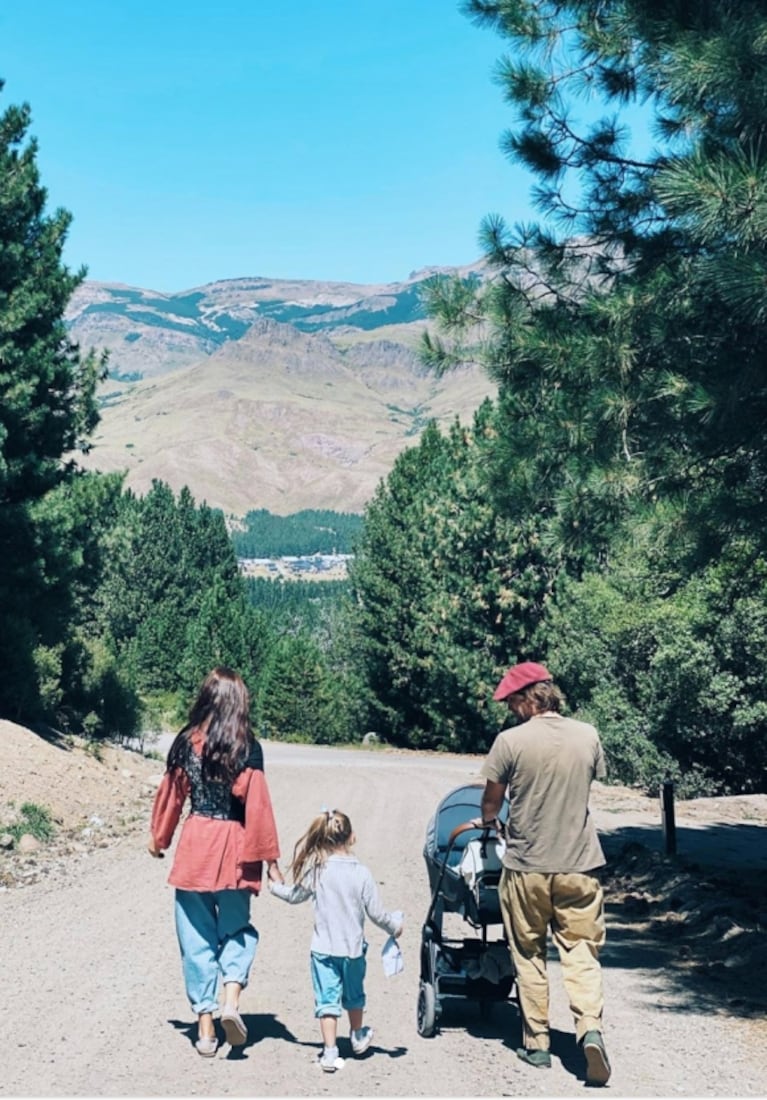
(547, 764)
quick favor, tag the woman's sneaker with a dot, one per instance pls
(329, 1060)
(361, 1039)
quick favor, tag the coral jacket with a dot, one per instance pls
(214, 854)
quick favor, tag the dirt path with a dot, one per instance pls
(94, 1002)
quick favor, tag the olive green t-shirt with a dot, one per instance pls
(547, 764)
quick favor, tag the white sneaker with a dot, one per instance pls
(329, 1060)
(361, 1039)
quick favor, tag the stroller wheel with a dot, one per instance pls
(427, 1010)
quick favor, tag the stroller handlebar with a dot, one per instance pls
(474, 824)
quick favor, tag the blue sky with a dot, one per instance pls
(323, 139)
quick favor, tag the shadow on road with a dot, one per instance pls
(260, 1026)
(719, 844)
(696, 929)
(698, 924)
(502, 1021)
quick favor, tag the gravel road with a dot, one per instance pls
(95, 1003)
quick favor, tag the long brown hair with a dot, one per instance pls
(545, 695)
(332, 829)
(222, 708)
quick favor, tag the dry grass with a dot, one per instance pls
(277, 426)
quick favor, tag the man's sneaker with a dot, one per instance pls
(541, 1059)
(597, 1065)
(361, 1039)
(329, 1060)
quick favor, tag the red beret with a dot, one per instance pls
(521, 676)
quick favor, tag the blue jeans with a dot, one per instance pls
(338, 983)
(217, 942)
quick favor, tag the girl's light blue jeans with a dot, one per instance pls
(217, 941)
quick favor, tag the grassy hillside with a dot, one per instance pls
(280, 420)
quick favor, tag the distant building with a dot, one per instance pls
(328, 567)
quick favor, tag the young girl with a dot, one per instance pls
(343, 891)
(216, 761)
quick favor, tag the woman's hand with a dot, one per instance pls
(154, 849)
(273, 871)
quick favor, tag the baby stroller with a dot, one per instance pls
(464, 869)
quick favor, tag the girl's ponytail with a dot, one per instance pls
(330, 830)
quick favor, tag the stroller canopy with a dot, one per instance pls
(461, 805)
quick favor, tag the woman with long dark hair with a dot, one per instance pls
(230, 832)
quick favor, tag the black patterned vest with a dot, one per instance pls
(211, 797)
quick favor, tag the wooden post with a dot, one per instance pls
(667, 816)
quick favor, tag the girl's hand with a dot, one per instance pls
(273, 871)
(154, 849)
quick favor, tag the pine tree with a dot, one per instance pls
(47, 408)
(47, 389)
(224, 631)
(172, 598)
(447, 592)
(296, 700)
(626, 330)
(390, 579)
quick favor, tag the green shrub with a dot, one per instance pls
(93, 747)
(673, 678)
(36, 820)
(164, 710)
(48, 667)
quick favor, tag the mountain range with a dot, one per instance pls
(266, 393)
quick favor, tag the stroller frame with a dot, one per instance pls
(451, 967)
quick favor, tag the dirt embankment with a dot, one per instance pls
(94, 797)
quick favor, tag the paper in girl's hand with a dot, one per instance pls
(391, 954)
(391, 957)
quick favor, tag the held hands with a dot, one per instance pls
(273, 871)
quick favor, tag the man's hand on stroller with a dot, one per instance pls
(494, 823)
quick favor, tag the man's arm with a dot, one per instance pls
(492, 800)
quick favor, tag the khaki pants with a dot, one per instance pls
(572, 905)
